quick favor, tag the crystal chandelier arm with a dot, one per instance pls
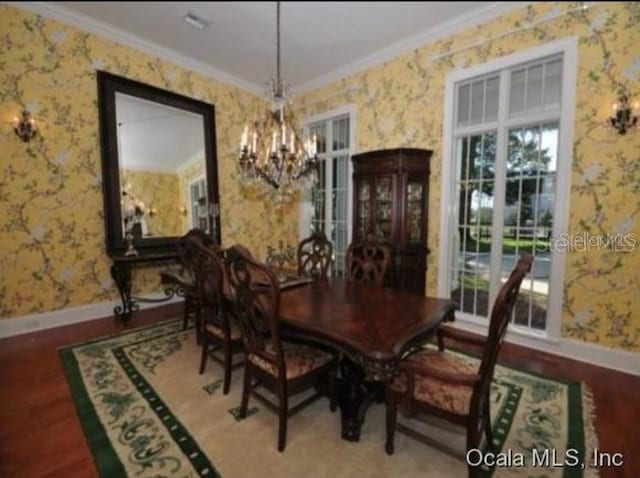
(267, 178)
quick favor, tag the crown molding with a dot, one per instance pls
(65, 15)
(470, 19)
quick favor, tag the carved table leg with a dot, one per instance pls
(121, 274)
(350, 396)
(355, 394)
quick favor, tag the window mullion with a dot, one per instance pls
(532, 119)
(499, 186)
(476, 129)
(543, 84)
(484, 100)
(526, 90)
(328, 178)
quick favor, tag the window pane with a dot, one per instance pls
(530, 198)
(340, 134)
(329, 197)
(491, 99)
(318, 200)
(477, 102)
(321, 135)
(475, 184)
(553, 83)
(534, 87)
(464, 104)
(516, 95)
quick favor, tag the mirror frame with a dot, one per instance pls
(110, 84)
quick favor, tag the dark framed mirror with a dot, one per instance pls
(159, 166)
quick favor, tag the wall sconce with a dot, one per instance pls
(25, 127)
(623, 118)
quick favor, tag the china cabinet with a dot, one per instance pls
(391, 191)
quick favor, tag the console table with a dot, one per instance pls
(121, 274)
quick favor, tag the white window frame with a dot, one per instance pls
(568, 47)
(305, 205)
(195, 180)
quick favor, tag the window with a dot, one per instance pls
(198, 204)
(327, 207)
(505, 184)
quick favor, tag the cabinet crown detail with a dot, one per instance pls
(391, 194)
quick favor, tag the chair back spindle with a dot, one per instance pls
(368, 262)
(315, 255)
(209, 277)
(256, 298)
(187, 248)
(500, 316)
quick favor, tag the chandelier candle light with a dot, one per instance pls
(273, 155)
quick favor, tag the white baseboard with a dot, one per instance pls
(73, 315)
(621, 360)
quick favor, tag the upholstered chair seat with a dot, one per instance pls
(282, 367)
(220, 332)
(454, 398)
(214, 329)
(299, 359)
(448, 386)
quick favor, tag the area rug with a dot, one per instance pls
(146, 412)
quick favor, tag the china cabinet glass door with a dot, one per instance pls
(363, 208)
(383, 208)
(414, 204)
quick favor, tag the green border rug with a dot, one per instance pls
(146, 412)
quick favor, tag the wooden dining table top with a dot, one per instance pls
(373, 325)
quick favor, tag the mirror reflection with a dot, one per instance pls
(162, 168)
(159, 166)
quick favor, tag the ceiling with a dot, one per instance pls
(319, 40)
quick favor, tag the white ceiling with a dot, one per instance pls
(319, 40)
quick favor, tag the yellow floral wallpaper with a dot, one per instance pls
(400, 103)
(51, 206)
(52, 253)
(158, 192)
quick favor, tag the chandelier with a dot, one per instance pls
(274, 156)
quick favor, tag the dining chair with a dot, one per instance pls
(220, 331)
(445, 385)
(315, 255)
(368, 261)
(282, 367)
(187, 247)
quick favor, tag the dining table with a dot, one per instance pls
(371, 327)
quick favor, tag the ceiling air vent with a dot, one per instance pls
(196, 21)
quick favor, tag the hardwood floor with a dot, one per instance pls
(40, 435)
